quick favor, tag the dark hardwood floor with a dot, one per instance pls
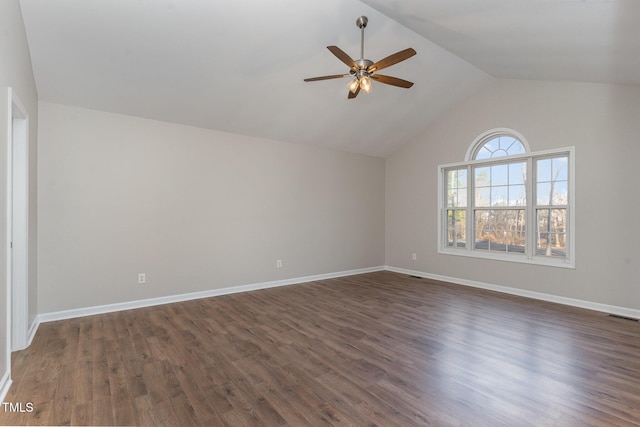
(379, 349)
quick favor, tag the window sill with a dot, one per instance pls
(518, 258)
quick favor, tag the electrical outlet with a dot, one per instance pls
(142, 278)
(279, 263)
(414, 256)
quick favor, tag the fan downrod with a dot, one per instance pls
(362, 24)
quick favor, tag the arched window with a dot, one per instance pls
(506, 203)
(497, 143)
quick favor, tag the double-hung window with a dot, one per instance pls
(505, 202)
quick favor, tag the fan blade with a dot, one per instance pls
(393, 81)
(335, 76)
(391, 60)
(352, 95)
(342, 56)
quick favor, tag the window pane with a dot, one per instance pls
(461, 227)
(551, 235)
(517, 195)
(543, 219)
(560, 167)
(517, 173)
(499, 196)
(559, 193)
(543, 170)
(457, 188)
(456, 226)
(453, 179)
(500, 230)
(482, 176)
(506, 142)
(516, 148)
(462, 198)
(554, 169)
(500, 175)
(498, 226)
(543, 193)
(493, 144)
(462, 178)
(482, 229)
(516, 221)
(483, 196)
(483, 153)
(457, 198)
(552, 187)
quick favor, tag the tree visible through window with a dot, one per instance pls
(551, 206)
(499, 209)
(504, 200)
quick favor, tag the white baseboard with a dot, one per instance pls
(5, 383)
(605, 308)
(32, 330)
(108, 308)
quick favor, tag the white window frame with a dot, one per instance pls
(529, 257)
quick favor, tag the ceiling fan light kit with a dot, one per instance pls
(362, 70)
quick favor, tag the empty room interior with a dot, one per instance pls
(337, 212)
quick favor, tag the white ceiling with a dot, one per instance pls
(578, 40)
(239, 65)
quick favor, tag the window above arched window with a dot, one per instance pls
(497, 143)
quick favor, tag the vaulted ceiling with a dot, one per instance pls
(239, 65)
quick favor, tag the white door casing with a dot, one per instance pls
(17, 221)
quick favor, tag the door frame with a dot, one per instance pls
(17, 222)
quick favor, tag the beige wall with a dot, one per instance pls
(15, 73)
(197, 209)
(601, 121)
(194, 209)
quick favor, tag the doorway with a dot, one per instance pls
(17, 221)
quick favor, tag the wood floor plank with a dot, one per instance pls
(82, 414)
(102, 412)
(144, 407)
(63, 402)
(380, 349)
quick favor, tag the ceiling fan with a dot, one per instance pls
(362, 70)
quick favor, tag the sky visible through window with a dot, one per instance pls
(499, 147)
(504, 185)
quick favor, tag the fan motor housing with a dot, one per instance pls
(363, 63)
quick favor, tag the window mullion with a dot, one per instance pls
(530, 232)
(444, 226)
(471, 201)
